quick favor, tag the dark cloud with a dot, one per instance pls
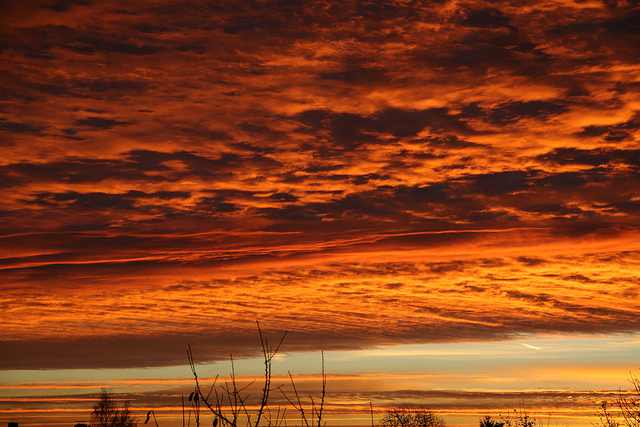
(614, 34)
(551, 208)
(451, 142)
(137, 165)
(595, 157)
(66, 5)
(93, 88)
(100, 201)
(283, 197)
(261, 130)
(501, 182)
(216, 205)
(352, 130)
(99, 123)
(613, 133)
(531, 260)
(356, 74)
(404, 123)
(357, 70)
(483, 51)
(91, 201)
(513, 111)
(19, 127)
(484, 18)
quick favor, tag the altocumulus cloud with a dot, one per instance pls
(174, 162)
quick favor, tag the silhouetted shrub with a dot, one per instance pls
(628, 406)
(411, 418)
(491, 422)
(106, 413)
(518, 418)
(605, 418)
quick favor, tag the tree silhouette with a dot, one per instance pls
(411, 418)
(106, 413)
(491, 422)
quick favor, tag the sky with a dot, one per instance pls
(421, 189)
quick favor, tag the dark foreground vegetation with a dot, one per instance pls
(232, 405)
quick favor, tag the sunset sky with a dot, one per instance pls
(442, 195)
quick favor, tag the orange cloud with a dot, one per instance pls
(359, 175)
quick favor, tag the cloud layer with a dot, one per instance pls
(357, 173)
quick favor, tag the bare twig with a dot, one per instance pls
(214, 411)
(298, 403)
(371, 410)
(149, 414)
(324, 392)
(230, 395)
(268, 355)
(317, 410)
(182, 398)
